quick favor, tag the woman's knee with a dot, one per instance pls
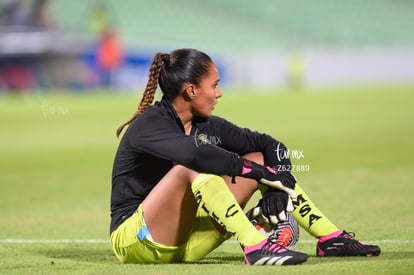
(256, 157)
(183, 173)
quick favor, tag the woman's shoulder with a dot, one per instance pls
(217, 119)
(221, 121)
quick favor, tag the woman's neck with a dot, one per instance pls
(183, 111)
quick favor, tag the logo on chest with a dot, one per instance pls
(202, 139)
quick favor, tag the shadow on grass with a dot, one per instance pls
(107, 256)
(227, 259)
(80, 254)
(384, 256)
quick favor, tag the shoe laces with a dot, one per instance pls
(347, 235)
(272, 247)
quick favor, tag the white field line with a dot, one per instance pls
(53, 241)
(45, 241)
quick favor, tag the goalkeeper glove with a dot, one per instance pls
(273, 206)
(282, 180)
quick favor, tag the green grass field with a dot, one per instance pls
(56, 153)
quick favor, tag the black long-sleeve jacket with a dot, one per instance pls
(155, 141)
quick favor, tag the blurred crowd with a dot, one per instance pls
(16, 18)
(35, 53)
(24, 14)
(81, 45)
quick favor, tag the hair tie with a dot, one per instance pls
(165, 59)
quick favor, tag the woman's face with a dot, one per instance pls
(206, 93)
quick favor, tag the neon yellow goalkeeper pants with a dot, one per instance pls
(131, 244)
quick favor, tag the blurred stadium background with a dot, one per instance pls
(58, 44)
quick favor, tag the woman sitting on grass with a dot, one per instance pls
(182, 176)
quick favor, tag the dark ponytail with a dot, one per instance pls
(150, 89)
(171, 71)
